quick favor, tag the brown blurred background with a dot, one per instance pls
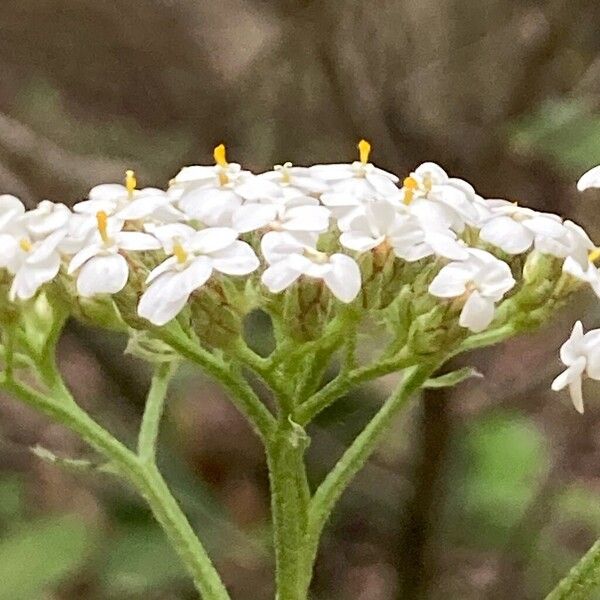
(489, 491)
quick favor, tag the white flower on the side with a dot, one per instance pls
(289, 260)
(479, 282)
(360, 178)
(195, 254)
(574, 243)
(46, 218)
(514, 229)
(32, 262)
(581, 355)
(590, 179)
(11, 212)
(381, 226)
(100, 266)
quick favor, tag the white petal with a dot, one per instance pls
(477, 313)
(279, 276)
(237, 259)
(82, 256)
(253, 216)
(306, 218)
(102, 274)
(569, 375)
(157, 305)
(572, 349)
(359, 241)
(196, 274)
(451, 280)
(30, 277)
(135, 240)
(212, 239)
(343, 279)
(576, 395)
(590, 179)
(446, 246)
(508, 235)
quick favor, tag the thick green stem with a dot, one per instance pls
(289, 504)
(357, 455)
(583, 578)
(153, 411)
(145, 478)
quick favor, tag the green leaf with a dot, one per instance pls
(140, 560)
(37, 556)
(453, 378)
(11, 496)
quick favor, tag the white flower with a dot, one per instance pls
(360, 178)
(581, 355)
(11, 210)
(455, 198)
(574, 243)
(195, 255)
(514, 229)
(304, 222)
(32, 262)
(102, 269)
(289, 260)
(590, 275)
(382, 226)
(46, 218)
(221, 174)
(480, 281)
(590, 179)
(294, 180)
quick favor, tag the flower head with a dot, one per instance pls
(581, 355)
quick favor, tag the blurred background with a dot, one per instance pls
(488, 491)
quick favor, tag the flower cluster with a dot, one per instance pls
(221, 238)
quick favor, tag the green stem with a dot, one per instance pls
(289, 504)
(357, 454)
(153, 412)
(344, 382)
(145, 478)
(582, 578)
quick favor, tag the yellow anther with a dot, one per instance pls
(594, 255)
(364, 150)
(220, 155)
(180, 253)
(25, 244)
(410, 184)
(130, 182)
(102, 221)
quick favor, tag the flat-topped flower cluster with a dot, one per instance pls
(285, 228)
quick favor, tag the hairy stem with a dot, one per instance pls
(153, 412)
(289, 504)
(144, 477)
(357, 454)
(582, 579)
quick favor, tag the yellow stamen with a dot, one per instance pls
(180, 253)
(130, 182)
(220, 156)
(410, 184)
(594, 255)
(102, 221)
(364, 150)
(25, 244)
